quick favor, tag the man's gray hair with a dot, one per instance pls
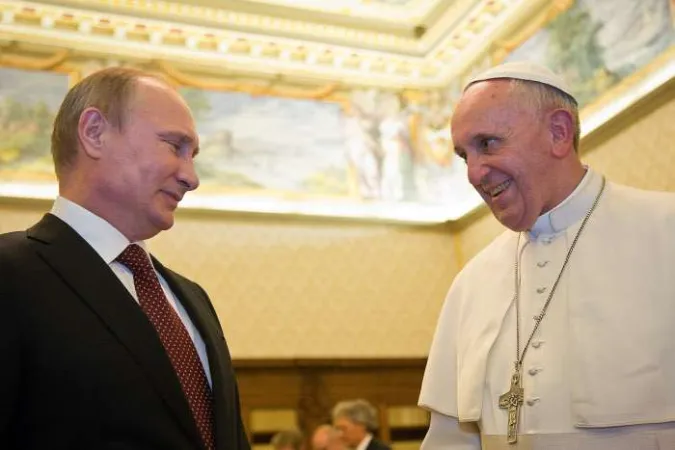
(358, 411)
(543, 97)
(287, 438)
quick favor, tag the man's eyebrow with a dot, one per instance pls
(176, 136)
(481, 136)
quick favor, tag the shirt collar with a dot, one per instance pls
(104, 238)
(363, 445)
(571, 210)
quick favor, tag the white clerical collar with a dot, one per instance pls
(104, 238)
(571, 210)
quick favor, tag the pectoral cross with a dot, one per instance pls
(512, 400)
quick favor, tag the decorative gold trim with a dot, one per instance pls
(176, 75)
(33, 63)
(226, 17)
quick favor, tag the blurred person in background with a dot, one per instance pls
(356, 421)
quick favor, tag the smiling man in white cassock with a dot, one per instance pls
(559, 334)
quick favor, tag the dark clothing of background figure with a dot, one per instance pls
(376, 444)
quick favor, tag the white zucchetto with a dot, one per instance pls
(523, 70)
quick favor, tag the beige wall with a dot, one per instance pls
(304, 288)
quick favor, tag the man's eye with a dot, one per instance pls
(486, 143)
(176, 147)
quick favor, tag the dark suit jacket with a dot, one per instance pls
(81, 367)
(376, 444)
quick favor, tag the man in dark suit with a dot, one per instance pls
(356, 421)
(101, 346)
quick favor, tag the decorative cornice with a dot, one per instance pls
(141, 38)
(259, 23)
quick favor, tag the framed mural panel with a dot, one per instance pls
(361, 153)
(612, 53)
(374, 155)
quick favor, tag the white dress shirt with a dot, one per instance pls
(108, 242)
(363, 445)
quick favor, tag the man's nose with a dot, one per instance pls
(188, 175)
(476, 170)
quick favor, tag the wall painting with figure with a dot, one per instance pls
(374, 155)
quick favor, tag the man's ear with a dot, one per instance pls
(90, 129)
(561, 126)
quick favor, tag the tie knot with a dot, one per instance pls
(135, 258)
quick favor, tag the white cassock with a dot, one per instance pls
(600, 372)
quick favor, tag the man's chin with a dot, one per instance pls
(164, 222)
(515, 225)
(510, 220)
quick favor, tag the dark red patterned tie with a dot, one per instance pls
(175, 338)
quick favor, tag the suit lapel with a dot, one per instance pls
(196, 304)
(79, 266)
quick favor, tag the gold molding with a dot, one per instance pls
(183, 79)
(33, 63)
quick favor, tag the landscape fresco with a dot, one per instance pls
(28, 103)
(374, 148)
(268, 143)
(597, 43)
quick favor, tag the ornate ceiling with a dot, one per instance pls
(385, 43)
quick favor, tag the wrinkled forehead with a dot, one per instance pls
(488, 93)
(493, 99)
(488, 108)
